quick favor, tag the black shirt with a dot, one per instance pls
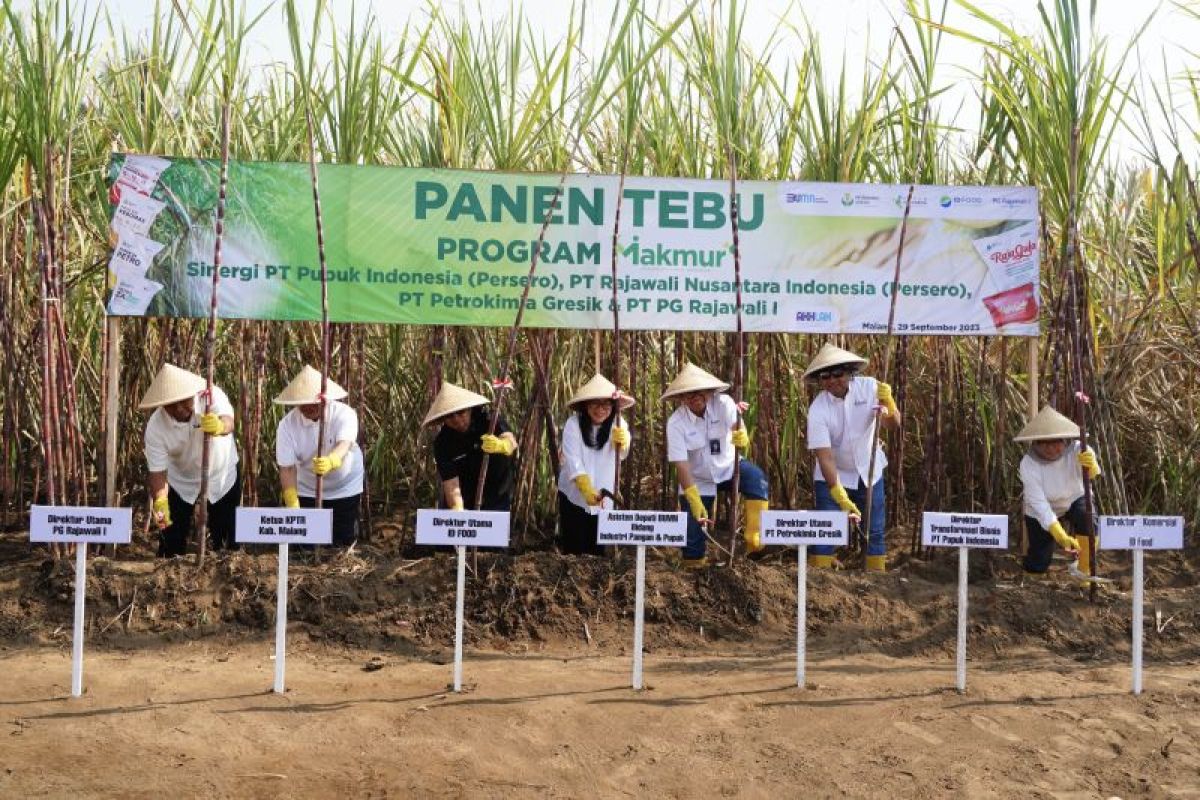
(458, 455)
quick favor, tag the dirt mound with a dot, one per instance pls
(369, 599)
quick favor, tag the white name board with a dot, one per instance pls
(656, 528)
(80, 524)
(940, 529)
(805, 527)
(284, 526)
(1141, 533)
(474, 528)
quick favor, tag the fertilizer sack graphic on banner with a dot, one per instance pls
(451, 247)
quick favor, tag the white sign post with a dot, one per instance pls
(283, 526)
(80, 525)
(641, 528)
(964, 531)
(439, 526)
(1140, 534)
(804, 528)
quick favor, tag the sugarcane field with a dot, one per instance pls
(696, 398)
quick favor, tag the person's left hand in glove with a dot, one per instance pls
(620, 437)
(1087, 460)
(323, 465)
(496, 445)
(883, 393)
(211, 424)
(741, 439)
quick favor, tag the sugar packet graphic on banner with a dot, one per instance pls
(135, 214)
(1012, 262)
(133, 256)
(132, 296)
(141, 173)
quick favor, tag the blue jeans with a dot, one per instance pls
(752, 485)
(875, 545)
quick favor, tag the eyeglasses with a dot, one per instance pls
(831, 374)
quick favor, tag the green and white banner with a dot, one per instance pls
(450, 247)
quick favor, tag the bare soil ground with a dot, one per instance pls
(178, 671)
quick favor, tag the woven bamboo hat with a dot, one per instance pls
(693, 379)
(1048, 424)
(830, 356)
(305, 388)
(599, 388)
(171, 385)
(451, 398)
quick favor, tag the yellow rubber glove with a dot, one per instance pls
(883, 393)
(291, 499)
(1087, 460)
(590, 495)
(1068, 543)
(458, 505)
(692, 495)
(620, 437)
(162, 512)
(494, 445)
(741, 439)
(211, 424)
(323, 465)
(838, 493)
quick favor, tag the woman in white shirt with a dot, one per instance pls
(591, 438)
(1052, 483)
(340, 462)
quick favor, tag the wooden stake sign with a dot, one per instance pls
(964, 531)
(1140, 534)
(80, 525)
(439, 526)
(801, 529)
(640, 528)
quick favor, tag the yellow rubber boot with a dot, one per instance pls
(752, 524)
(876, 563)
(694, 563)
(820, 562)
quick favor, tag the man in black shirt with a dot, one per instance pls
(459, 447)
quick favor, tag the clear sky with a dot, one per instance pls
(853, 29)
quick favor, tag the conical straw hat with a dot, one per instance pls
(451, 398)
(830, 356)
(599, 388)
(693, 379)
(1048, 424)
(171, 385)
(305, 388)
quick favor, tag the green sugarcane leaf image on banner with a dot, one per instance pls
(451, 247)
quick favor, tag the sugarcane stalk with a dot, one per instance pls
(739, 368)
(210, 341)
(865, 532)
(1077, 303)
(616, 315)
(316, 191)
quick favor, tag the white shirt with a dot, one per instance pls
(579, 459)
(296, 445)
(1051, 486)
(845, 425)
(704, 442)
(175, 448)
